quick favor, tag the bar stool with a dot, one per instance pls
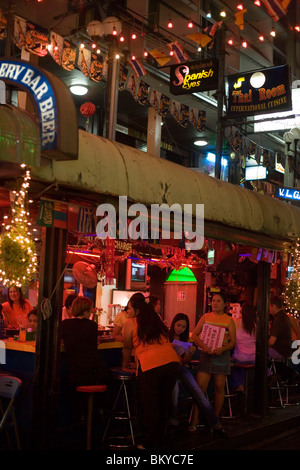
(277, 388)
(228, 396)
(247, 368)
(290, 394)
(125, 414)
(90, 390)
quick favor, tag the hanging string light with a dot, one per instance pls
(18, 257)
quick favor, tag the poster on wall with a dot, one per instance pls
(259, 92)
(193, 77)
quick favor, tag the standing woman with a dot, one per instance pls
(16, 309)
(215, 362)
(157, 367)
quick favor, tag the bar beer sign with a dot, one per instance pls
(193, 77)
(259, 92)
(288, 193)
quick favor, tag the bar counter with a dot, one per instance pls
(29, 346)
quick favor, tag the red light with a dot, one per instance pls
(297, 28)
(230, 42)
(94, 46)
(122, 39)
(170, 24)
(190, 24)
(257, 3)
(244, 44)
(133, 57)
(261, 38)
(145, 54)
(240, 6)
(171, 52)
(133, 36)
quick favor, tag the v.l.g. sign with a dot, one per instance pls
(25, 75)
(193, 77)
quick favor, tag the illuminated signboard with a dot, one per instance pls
(25, 75)
(261, 92)
(280, 121)
(288, 193)
(193, 77)
(256, 172)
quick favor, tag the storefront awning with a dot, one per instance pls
(231, 212)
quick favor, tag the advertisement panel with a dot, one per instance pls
(260, 92)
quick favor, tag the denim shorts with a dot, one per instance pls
(211, 364)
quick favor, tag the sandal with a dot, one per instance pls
(192, 427)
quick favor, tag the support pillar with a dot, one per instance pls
(262, 336)
(47, 356)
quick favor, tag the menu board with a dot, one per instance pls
(212, 336)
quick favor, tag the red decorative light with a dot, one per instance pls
(297, 28)
(114, 31)
(145, 54)
(122, 39)
(94, 46)
(244, 44)
(261, 38)
(240, 6)
(170, 24)
(133, 57)
(190, 24)
(171, 53)
(133, 36)
(230, 42)
(257, 3)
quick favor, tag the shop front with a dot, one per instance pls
(247, 238)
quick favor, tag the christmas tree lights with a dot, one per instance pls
(18, 258)
(292, 289)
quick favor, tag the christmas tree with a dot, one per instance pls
(18, 258)
(292, 289)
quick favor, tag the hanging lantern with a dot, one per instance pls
(88, 110)
(112, 25)
(95, 29)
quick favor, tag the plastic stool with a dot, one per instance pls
(91, 390)
(228, 396)
(120, 442)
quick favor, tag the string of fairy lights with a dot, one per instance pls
(18, 256)
(291, 294)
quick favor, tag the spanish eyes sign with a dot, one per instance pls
(260, 92)
(193, 77)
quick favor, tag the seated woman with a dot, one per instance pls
(16, 309)
(179, 331)
(32, 320)
(245, 347)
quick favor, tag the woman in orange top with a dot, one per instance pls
(157, 367)
(16, 310)
(214, 362)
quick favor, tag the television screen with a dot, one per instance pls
(138, 272)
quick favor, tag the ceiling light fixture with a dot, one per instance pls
(79, 90)
(201, 142)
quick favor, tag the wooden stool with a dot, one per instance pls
(91, 390)
(120, 442)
